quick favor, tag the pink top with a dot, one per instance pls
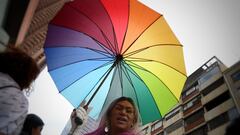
(100, 131)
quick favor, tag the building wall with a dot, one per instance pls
(232, 75)
(25, 24)
(179, 131)
(32, 38)
(172, 118)
(220, 130)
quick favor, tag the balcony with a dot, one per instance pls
(156, 131)
(156, 127)
(179, 131)
(195, 124)
(192, 109)
(190, 96)
(215, 93)
(220, 130)
(173, 119)
(225, 106)
(209, 78)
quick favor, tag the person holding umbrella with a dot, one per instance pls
(121, 118)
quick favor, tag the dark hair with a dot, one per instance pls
(112, 105)
(19, 65)
(31, 121)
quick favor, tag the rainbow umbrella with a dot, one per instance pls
(99, 50)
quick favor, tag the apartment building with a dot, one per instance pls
(209, 102)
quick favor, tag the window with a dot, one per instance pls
(172, 113)
(199, 131)
(236, 76)
(217, 101)
(223, 118)
(194, 117)
(145, 131)
(213, 71)
(156, 125)
(174, 126)
(191, 103)
(218, 121)
(213, 86)
(189, 91)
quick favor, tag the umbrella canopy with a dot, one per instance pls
(99, 50)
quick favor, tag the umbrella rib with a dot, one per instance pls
(58, 25)
(141, 34)
(115, 41)
(135, 74)
(125, 33)
(110, 45)
(85, 75)
(142, 68)
(65, 27)
(120, 74)
(108, 72)
(102, 46)
(98, 51)
(127, 75)
(130, 71)
(139, 59)
(107, 40)
(95, 50)
(95, 86)
(143, 49)
(146, 60)
(95, 59)
(114, 72)
(115, 37)
(130, 81)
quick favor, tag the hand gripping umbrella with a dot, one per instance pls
(99, 50)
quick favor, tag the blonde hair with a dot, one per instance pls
(137, 119)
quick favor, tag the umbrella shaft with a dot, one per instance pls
(89, 101)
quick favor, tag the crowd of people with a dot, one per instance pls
(17, 72)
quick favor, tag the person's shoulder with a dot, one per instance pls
(7, 82)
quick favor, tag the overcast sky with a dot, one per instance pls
(205, 28)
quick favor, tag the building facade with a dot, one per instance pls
(24, 24)
(208, 104)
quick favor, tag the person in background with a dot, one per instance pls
(17, 71)
(121, 118)
(33, 125)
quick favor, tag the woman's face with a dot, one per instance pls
(122, 116)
